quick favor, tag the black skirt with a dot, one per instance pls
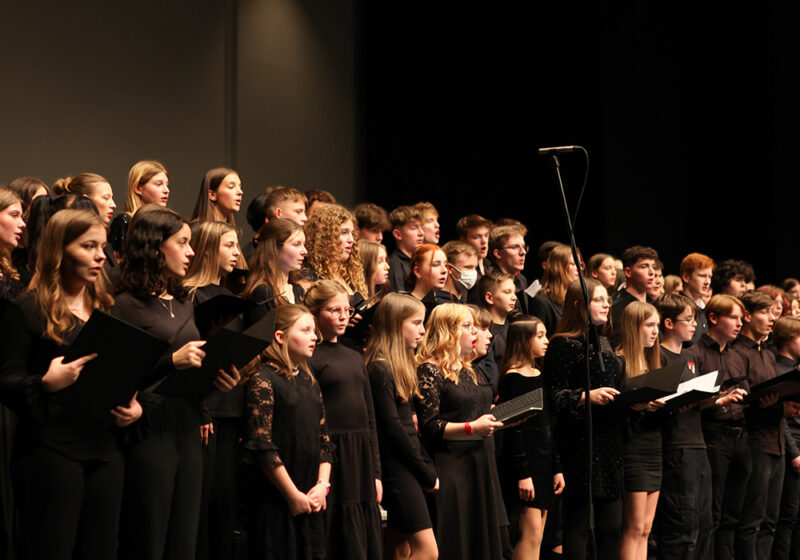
(641, 460)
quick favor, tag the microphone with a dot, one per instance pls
(558, 150)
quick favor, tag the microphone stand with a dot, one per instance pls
(591, 328)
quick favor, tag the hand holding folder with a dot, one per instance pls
(651, 385)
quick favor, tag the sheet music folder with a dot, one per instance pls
(519, 406)
(222, 350)
(651, 385)
(694, 390)
(125, 354)
(219, 308)
(786, 385)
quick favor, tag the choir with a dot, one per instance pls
(316, 393)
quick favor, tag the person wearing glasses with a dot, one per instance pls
(508, 249)
(352, 517)
(565, 378)
(560, 271)
(684, 508)
(696, 273)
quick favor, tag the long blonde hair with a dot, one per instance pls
(63, 228)
(140, 174)
(277, 355)
(387, 342)
(441, 345)
(324, 247)
(638, 359)
(204, 269)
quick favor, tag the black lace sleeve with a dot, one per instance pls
(326, 446)
(431, 380)
(259, 409)
(563, 356)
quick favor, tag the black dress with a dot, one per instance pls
(264, 296)
(406, 467)
(285, 425)
(528, 447)
(548, 311)
(163, 472)
(469, 515)
(565, 374)
(352, 517)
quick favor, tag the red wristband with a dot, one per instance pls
(467, 428)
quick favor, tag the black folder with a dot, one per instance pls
(651, 385)
(786, 385)
(522, 405)
(222, 307)
(125, 355)
(222, 350)
(264, 328)
(687, 395)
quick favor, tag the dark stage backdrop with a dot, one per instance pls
(689, 115)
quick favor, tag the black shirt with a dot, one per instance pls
(710, 358)
(548, 311)
(683, 430)
(399, 270)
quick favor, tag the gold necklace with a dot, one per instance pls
(164, 305)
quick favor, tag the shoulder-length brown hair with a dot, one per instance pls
(555, 279)
(518, 344)
(7, 198)
(265, 263)
(47, 285)
(370, 251)
(325, 249)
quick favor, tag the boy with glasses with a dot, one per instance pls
(508, 250)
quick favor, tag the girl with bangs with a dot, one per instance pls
(216, 247)
(559, 273)
(281, 251)
(352, 518)
(287, 444)
(457, 428)
(333, 253)
(69, 468)
(529, 467)
(639, 353)
(565, 378)
(398, 328)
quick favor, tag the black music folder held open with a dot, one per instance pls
(786, 385)
(694, 390)
(219, 310)
(522, 405)
(125, 355)
(651, 385)
(222, 350)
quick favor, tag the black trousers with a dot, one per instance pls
(787, 534)
(729, 457)
(163, 484)
(218, 517)
(762, 498)
(683, 517)
(608, 527)
(68, 509)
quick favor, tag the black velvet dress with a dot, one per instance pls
(285, 425)
(353, 518)
(406, 467)
(565, 377)
(528, 447)
(469, 515)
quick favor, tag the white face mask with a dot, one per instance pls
(468, 277)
